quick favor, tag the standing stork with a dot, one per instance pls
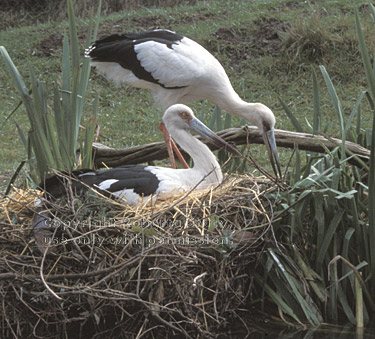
(134, 184)
(176, 69)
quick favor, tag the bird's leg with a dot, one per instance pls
(171, 146)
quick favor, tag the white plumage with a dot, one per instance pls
(176, 69)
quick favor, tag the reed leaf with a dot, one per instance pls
(365, 59)
(337, 106)
(54, 136)
(297, 167)
(322, 250)
(371, 201)
(73, 38)
(218, 117)
(310, 310)
(342, 297)
(371, 194)
(359, 303)
(291, 116)
(17, 78)
(316, 103)
(319, 216)
(311, 276)
(372, 9)
(354, 111)
(228, 121)
(86, 146)
(22, 135)
(277, 299)
(330, 211)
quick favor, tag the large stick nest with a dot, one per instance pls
(172, 268)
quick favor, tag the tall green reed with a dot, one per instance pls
(322, 267)
(53, 138)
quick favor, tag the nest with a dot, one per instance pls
(178, 267)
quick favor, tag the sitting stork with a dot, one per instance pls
(176, 69)
(135, 184)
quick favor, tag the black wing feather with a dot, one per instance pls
(119, 48)
(135, 177)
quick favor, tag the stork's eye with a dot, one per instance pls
(266, 126)
(185, 116)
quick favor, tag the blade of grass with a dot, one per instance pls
(337, 106)
(219, 120)
(358, 303)
(66, 96)
(291, 116)
(21, 134)
(309, 274)
(16, 76)
(316, 103)
(75, 99)
(355, 110)
(322, 251)
(358, 127)
(372, 9)
(345, 251)
(228, 121)
(85, 71)
(96, 26)
(371, 194)
(53, 144)
(343, 298)
(203, 110)
(371, 201)
(86, 148)
(73, 38)
(277, 299)
(319, 216)
(297, 166)
(365, 58)
(310, 311)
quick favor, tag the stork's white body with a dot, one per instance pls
(185, 64)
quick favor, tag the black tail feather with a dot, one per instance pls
(60, 184)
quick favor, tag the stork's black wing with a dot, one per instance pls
(120, 48)
(135, 177)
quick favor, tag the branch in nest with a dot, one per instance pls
(157, 151)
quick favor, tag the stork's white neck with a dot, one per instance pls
(231, 102)
(205, 162)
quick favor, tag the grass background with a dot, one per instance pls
(268, 48)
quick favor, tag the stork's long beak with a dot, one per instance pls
(200, 128)
(270, 142)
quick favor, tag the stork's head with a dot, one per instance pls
(181, 117)
(261, 116)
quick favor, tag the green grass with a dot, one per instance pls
(259, 71)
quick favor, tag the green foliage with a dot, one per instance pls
(369, 70)
(53, 137)
(323, 265)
